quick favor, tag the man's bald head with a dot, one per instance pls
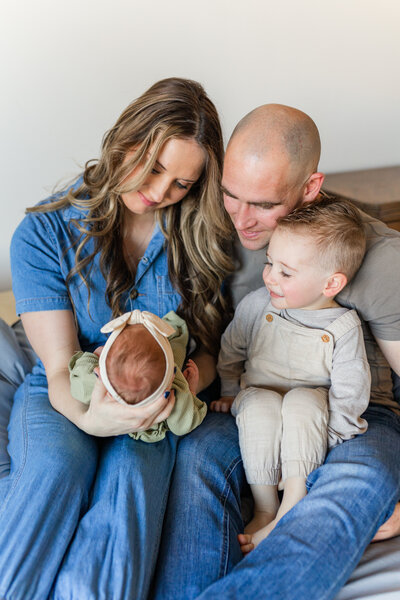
(278, 130)
(270, 168)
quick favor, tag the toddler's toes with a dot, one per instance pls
(245, 542)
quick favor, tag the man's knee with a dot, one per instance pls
(363, 476)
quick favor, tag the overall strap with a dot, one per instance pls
(343, 324)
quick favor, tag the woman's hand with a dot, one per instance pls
(106, 417)
(391, 527)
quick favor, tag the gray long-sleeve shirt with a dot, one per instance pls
(349, 389)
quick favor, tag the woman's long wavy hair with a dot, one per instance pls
(197, 229)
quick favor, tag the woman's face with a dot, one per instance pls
(179, 164)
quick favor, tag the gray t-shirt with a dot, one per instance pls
(374, 293)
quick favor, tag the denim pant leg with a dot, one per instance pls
(17, 359)
(314, 548)
(52, 469)
(114, 551)
(199, 541)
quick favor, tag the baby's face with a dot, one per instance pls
(292, 274)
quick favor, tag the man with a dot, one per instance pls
(271, 166)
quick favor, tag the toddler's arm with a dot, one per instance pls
(349, 394)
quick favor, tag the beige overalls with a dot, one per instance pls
(282, 409)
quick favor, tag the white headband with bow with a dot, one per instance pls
(159, 329)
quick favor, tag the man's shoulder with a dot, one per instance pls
(383, 247)
(375, 281)
(378, 233)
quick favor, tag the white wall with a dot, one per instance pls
(69, 67)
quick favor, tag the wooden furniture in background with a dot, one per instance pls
(375, 191)
(7, 307)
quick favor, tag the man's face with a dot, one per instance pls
(257, 192)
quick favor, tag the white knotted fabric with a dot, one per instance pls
(159, 329)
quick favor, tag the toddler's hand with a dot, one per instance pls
(191, 374)
(222, 405)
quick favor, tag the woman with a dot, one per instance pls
(82, 509)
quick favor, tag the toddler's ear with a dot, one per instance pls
(334, 284)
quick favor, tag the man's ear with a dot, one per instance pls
(313, 187)
(334, 284)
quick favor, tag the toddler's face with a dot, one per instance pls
(292, 274)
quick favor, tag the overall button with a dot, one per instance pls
(269, 318)
(134, 294)
(325, 338)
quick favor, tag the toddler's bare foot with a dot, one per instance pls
(246, 545)
(249, 541)
(259, 521)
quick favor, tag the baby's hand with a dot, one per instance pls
(223, 404)
(191, 374)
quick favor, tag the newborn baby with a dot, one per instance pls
(141, 360)
(136, 364)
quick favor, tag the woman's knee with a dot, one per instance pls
(210, 455)
(52, 448)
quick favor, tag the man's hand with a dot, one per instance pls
(223, 404)
(391, 527)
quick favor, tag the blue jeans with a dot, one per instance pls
(80, 517)
(313, 549)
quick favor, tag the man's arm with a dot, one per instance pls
(391, 351)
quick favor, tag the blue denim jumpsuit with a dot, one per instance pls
(79, 515)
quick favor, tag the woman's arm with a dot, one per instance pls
(53, 337)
